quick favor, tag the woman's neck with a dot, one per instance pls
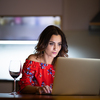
(46, 59)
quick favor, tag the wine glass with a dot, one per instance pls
(15, 70)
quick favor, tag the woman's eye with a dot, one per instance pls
(59, 44)
(51, 43)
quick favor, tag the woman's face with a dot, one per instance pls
(54, 46)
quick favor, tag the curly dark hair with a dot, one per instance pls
(44, 40)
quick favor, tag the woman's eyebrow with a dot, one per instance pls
(51, 41)
(54, 42)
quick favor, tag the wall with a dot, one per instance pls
(83, 44)
(76, 15)
(31, 7)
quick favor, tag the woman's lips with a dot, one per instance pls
(54, 52)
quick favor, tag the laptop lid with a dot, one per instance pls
(76, 76)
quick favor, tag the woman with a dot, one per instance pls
(39, 70)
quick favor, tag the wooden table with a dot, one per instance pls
(7, 96)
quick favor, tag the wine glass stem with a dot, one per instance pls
(14, 84)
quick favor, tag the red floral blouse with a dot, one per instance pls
(36, 74)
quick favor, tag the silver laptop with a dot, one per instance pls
(76, 76)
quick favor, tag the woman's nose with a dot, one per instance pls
(55, 47)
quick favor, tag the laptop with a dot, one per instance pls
(76, 76)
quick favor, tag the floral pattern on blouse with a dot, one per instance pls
(36, 74)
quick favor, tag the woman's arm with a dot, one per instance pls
(30, 89)
(36, 89)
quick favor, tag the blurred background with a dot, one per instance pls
(21, 22)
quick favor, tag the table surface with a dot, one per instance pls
(8, 96)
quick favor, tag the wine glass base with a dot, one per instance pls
(14, 93)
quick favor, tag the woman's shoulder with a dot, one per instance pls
(32, 57)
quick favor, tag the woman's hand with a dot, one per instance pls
(44, 89)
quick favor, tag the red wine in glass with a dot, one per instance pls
(15, 70)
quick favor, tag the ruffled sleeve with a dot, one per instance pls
(28, 74)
